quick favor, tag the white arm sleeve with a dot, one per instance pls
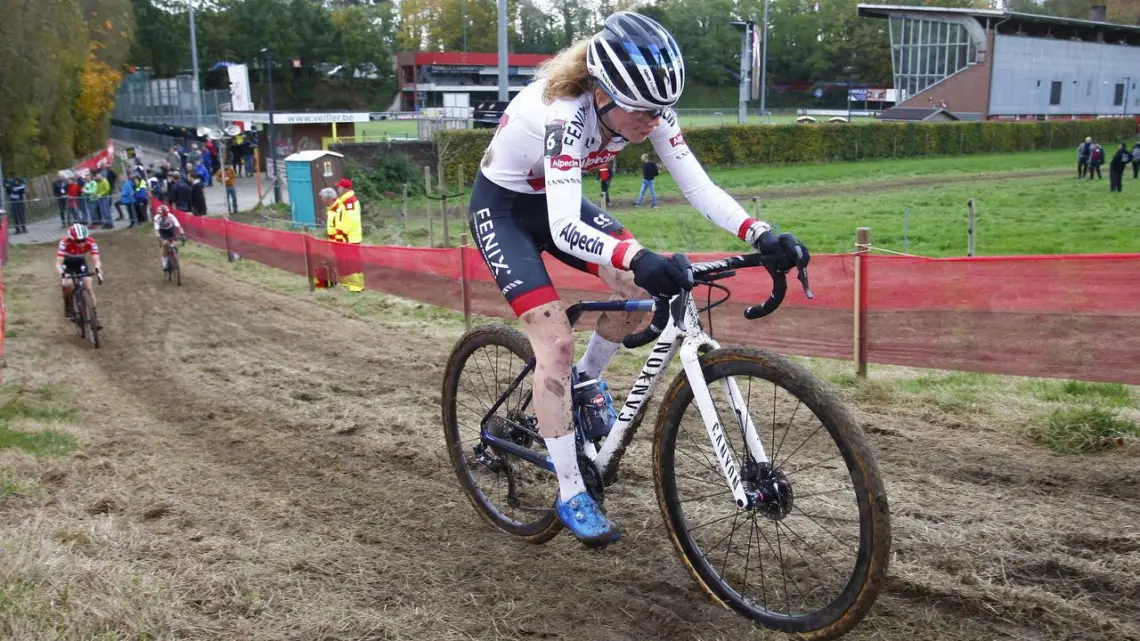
(699, 190)
(564, 148)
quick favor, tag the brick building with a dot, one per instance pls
(996, 64)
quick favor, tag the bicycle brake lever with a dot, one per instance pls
(803, 276)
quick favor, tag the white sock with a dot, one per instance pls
(164, 262)
(565, 457)
(599, 351)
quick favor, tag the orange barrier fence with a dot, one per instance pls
(1074, 317)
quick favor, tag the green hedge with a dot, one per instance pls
(735, 145)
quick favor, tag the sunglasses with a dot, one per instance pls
(642, 114)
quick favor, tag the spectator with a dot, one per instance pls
(82, 180)
(1116, 168)
(59, 188)
(235, 154)
(247, 147)
(1083, 153)
(197, 196)
(91, 215)
(174, 157)
(74, 197)
(195, 155)
(604, 178)
(127, 199)
(648, 175)
(1136, 160)
(343, 226)
(182, 192)
(1096, 159)
(103, 190)
(141, 198)
(228, 178)
(17, 192)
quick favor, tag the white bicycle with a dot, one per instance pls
(770, 460)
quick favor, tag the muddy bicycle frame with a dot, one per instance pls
(682, 332)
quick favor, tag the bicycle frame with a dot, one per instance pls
(689, 339)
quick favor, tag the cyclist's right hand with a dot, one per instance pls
(659, 276)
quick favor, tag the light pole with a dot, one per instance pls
(764, 66)
(194, 63)
(745, 68)
(272, 130)
(503, 97)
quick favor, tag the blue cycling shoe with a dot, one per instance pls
(586, 521)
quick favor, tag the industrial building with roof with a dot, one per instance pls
(990, 64)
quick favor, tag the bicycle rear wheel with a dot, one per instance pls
(91, 319)
(174, 267)
(511, 494)
(811, 552)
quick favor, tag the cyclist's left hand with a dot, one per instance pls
(786, 245)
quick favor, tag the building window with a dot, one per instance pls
(1118, 99)
(1055, 94)
(925, 52)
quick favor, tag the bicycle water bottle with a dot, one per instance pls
(590, 408)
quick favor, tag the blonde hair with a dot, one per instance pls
(566, 73)
(644, 157)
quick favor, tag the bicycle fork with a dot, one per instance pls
(730, 468)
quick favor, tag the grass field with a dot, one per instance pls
(410, 129)
(1026, 204)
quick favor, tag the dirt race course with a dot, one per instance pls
(258, 465)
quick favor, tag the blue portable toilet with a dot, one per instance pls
(306, 174)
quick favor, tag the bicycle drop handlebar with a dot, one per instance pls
(707, 272)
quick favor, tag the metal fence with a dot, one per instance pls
(150, 139)
(170, 101)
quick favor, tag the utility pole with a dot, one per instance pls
(745, 69)
(194, 62)
(503, 97)
(272, 131)
(764, 66)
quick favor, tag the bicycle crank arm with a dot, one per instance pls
(525, 453)
(721, 447)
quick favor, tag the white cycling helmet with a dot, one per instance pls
(77, 232)
(637, 62)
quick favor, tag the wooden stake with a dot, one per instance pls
(464, 286)
(970, 238)
(404, 211)
(427, 188)
(308, 263)
(862, 244)
(443, 206)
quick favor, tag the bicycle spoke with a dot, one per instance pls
(804, 514)
(711, 466)
(804, 442)
(697, 527)
(708, 465)
(728, 548)
(808, 545)
(787, 429)
(807, 565)
(707, 496)
(823, 493)
(706, 482)
(709, 551)
(816, 464)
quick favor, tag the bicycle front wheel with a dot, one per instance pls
(91, 319)
(810, 552)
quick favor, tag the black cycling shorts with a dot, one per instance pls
(75, 265)
(513, 233)
(166, 234)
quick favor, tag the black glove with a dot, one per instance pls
(785, 245)
(659, 276)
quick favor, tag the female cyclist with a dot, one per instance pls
(589, 102)
(71, 258)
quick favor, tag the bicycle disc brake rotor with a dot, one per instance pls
(771, 492)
